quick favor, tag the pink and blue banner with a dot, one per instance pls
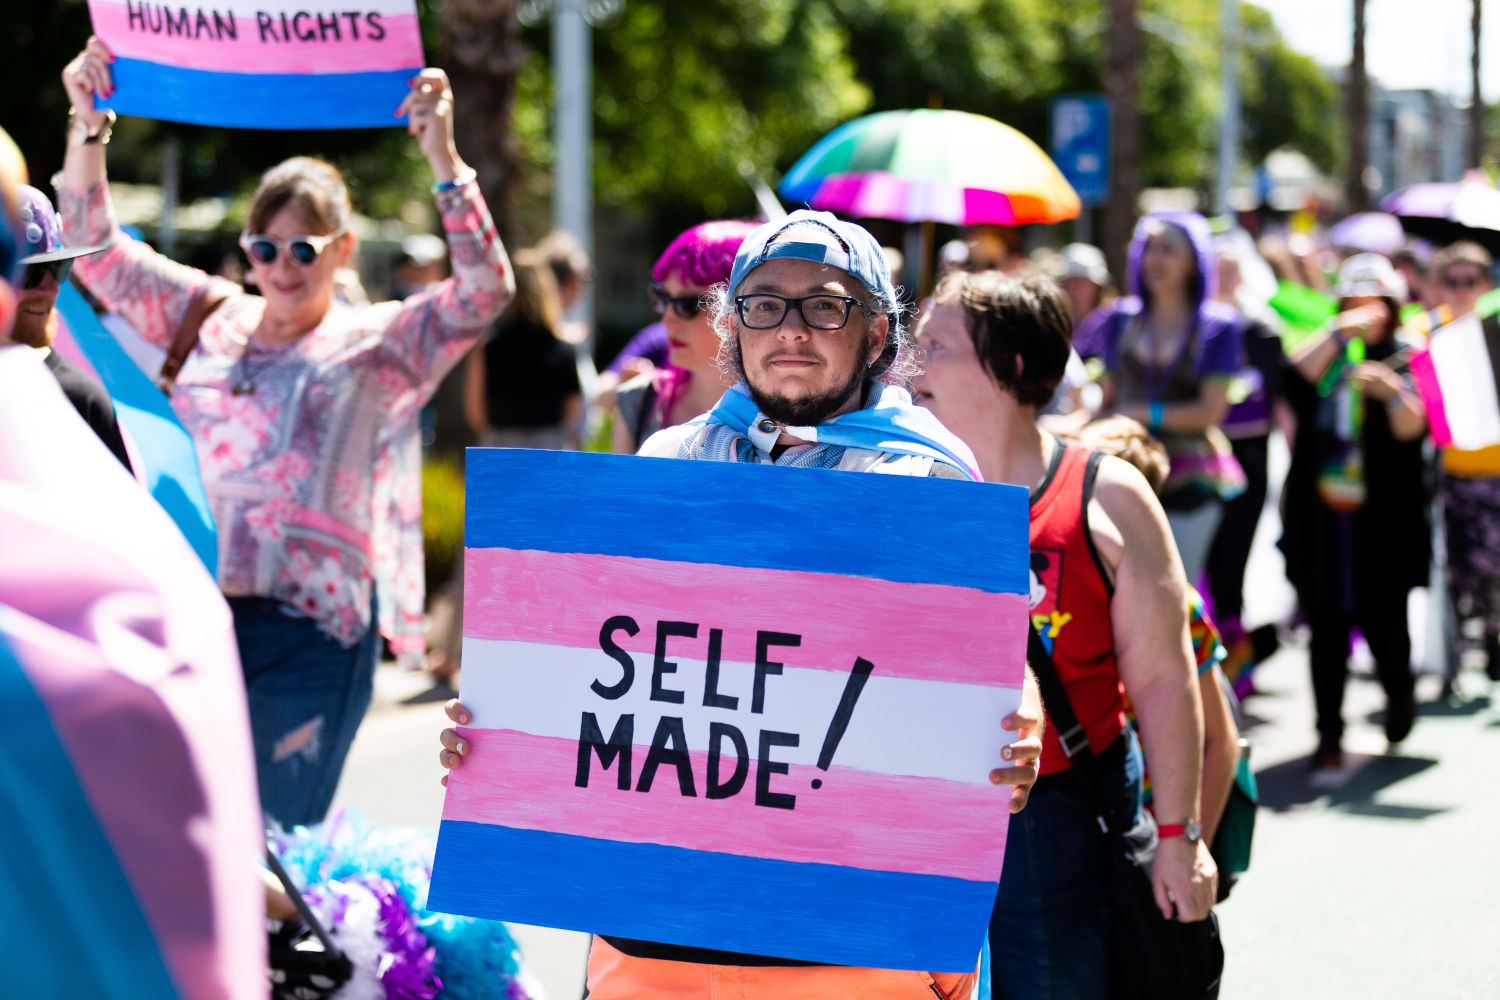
(733, 707)
(161, 449)
(127, 780)
(283, 64)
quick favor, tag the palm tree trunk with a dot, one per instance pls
(1357, 110)
(1476, 105)
(1122, 82)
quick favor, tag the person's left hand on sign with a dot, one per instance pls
(429, 117)
(1023, 757)
(454, 744)
(88, 76)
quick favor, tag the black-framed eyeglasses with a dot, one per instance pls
(303, 250)
(685, 306)
(765, 311)
(37, 273)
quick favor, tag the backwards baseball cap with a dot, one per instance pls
(850, 248)
(41, 229)
(1370, 274)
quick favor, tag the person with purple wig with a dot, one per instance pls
(692, 381)
(1169, 352)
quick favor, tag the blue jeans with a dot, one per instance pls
(1049, 932)
(307, 695)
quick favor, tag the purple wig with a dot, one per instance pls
(704, 255)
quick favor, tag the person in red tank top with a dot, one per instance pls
(1109, 601)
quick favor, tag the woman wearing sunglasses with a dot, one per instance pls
(692, 382)
(303, 410)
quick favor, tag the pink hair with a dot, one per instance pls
(704, 255)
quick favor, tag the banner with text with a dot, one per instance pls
(736, 707)
(285, 64)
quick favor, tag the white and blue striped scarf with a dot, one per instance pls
(736, 431)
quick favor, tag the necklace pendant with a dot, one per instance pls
(243, 387)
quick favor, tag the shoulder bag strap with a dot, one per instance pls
(186, 337)
(1070, 732)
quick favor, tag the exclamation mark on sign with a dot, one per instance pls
(841, 715)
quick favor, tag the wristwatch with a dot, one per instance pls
(1189, 830)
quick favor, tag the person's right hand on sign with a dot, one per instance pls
(454, 745)
(1023, 757)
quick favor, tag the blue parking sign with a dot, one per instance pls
(1080, 144)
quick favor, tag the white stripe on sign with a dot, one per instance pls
(898, 726)
(1466, 374)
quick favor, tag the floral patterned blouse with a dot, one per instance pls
(314, 474)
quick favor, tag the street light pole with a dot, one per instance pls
(573, 121)
(572, 135)
(1229, 117)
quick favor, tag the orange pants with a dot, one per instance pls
(613, 975)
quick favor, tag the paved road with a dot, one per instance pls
(1386, 887)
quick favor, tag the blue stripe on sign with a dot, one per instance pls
(258, 100)
(65, 903)
(911, 530)
(819, 913)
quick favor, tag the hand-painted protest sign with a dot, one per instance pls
(261, 63)
(734, 707)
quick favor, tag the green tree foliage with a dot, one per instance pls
(684, 92)
(1288, 99)
(688, 90)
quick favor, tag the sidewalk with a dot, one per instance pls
(1386, 886)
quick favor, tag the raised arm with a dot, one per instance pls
(1149, 613)
(435, 328)
(149, 290)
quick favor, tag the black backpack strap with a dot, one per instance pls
(1070, 732)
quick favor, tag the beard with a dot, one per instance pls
(34, 331)
(808, 410)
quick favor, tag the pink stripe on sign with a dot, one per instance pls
(1425, 374)
(268, 45)
(563, 599)
(855, 820)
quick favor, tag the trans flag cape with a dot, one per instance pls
(888, 422)
(161, 450)
(127, 854)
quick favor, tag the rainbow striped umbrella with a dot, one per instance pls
(931, 165)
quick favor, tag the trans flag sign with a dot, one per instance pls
(736, 707)
(284, 64)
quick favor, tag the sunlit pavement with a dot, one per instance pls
(1388, 886)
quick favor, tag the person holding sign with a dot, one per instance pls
(1109, 603)
(303, 413)
(810, 323)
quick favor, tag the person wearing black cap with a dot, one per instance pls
(47, 263)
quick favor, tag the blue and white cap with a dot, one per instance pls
(854, 252)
